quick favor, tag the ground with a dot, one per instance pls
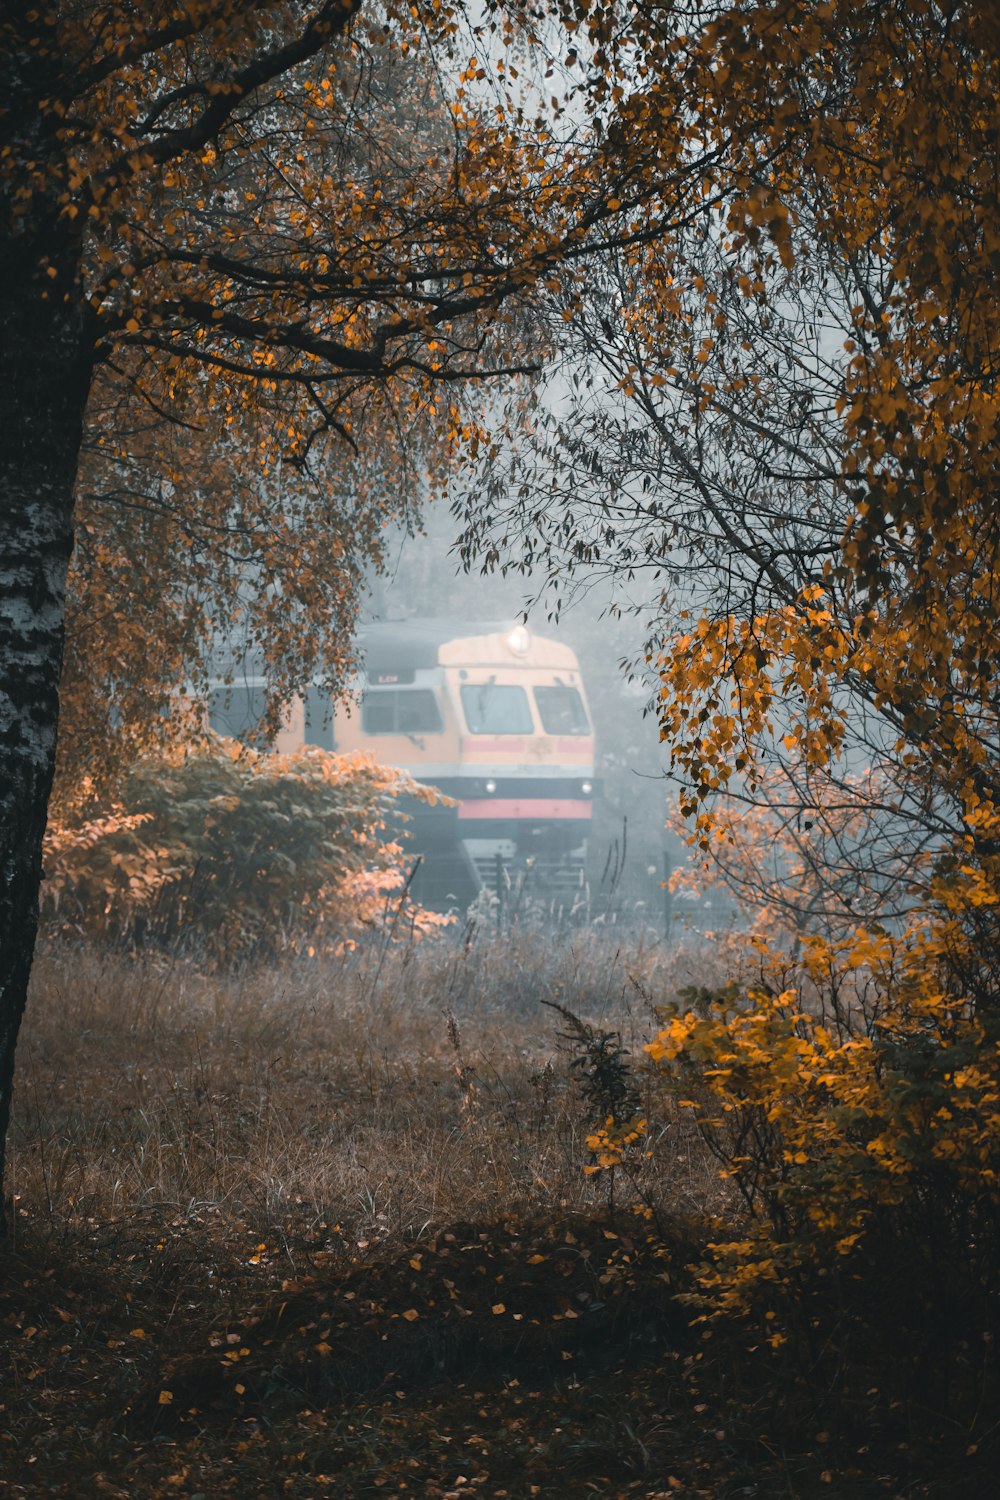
(326, 1232)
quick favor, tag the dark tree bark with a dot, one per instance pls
(46, 350)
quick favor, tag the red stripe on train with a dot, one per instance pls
(525, 807)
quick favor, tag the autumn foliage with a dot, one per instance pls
(233, 854)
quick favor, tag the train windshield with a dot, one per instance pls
(561, 710)
(400, 711)
(495, 708)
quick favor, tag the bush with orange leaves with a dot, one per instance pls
(852, 1099)
(237, 854)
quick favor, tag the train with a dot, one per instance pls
(495, 717)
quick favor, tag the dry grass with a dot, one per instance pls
(388, 1093)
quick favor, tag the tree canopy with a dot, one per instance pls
(287, 242)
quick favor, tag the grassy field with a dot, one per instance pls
(325, 1230)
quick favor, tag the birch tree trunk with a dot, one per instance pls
(46, 356)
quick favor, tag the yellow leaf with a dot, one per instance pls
(411, 1315)
(166, 1397)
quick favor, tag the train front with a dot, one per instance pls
(526, 763)
(508, 736)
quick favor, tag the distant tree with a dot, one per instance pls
(252, 521)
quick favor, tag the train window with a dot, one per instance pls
(561, 710)
(378, 712)
(318, 716)
(494, 708)
(400, 711)
(236, 712)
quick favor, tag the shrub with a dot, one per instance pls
(861, 1137)
(240, 853)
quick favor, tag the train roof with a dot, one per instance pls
(407, 645)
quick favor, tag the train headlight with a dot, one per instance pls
(491, 787)
(586, 787)
(519, 640)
